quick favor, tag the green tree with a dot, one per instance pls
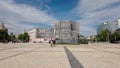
(3, 36)
(115, 37)
(24, 37)
(104, 35)
(12, 37)
(20, 37)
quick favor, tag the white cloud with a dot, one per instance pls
(12, 14)
(94, 12)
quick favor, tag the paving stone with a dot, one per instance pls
(41, 55)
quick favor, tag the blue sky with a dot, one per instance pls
(19, 15)
(60, 9)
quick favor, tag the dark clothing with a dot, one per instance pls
(54, 42)
(51, 42)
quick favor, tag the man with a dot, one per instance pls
(54, 42)
(51, 42)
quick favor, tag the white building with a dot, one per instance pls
(118, 22)
(40, 34)
(111, 26)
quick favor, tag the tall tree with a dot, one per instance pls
(3, 35)
(104, 35)
(115, 37)
(24, 37)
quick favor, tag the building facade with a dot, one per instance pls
(118, 30)
(66, 32)
(111, 26)
(118, 23)
(45, 33)
(40, 34)
(63, 32)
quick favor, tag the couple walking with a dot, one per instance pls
(52, 42)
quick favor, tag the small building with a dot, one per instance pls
(93, 38)
(118, 30)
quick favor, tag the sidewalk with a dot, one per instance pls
(41, 55)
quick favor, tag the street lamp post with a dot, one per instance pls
(78, 38)
(4, 37)
(108, 36)
(96, 39)
(115, 38)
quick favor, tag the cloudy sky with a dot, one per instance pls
(20, 15)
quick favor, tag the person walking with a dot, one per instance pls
(51, 42)
(54, 42)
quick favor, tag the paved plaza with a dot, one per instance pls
(41, 55)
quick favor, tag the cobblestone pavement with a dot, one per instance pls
(41, 55)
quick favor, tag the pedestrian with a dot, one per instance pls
(54, 42)
(51, 42)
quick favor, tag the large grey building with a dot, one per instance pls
(63, 32)
(45, 33)
(111, 26)
(66, 32)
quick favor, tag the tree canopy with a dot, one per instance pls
(104, 35)
(24, 37)
(3, 35)
(115, 37)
